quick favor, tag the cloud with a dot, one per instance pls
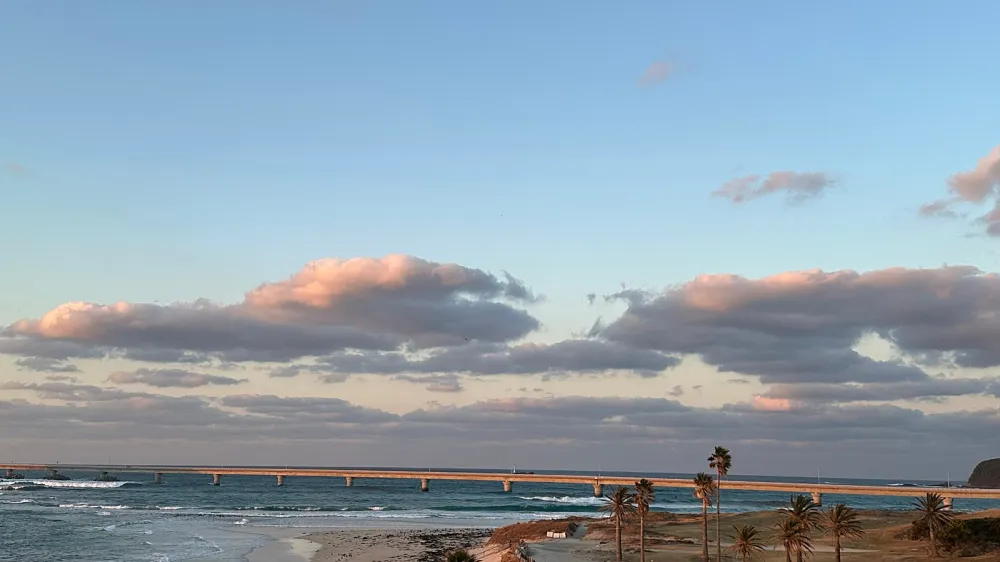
(803, 326)
(978, 185)
(45, 365)
(171, 378)
(796, 186)
(435, 383)
(16, 169)
(677, 391)
(655, 73)
(330, 305)
(935, 387)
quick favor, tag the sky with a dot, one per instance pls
(545, 234)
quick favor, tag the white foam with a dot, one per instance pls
(565, 499)
(75, 483)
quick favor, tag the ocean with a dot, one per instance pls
(185, 518)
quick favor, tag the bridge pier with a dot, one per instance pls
(425, 485)
(947, 503)
(281, 479)
(350, 481)
(817, 498)
(508, 486)
(9, 473)
(216, 479)
(157, 478)
(598, 490)
(53, 473)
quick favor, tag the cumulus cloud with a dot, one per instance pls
(171, 378)
(330, 305)
(655, 73)
(45, 365)
(804, 326)
(796, 186)
(978, 185)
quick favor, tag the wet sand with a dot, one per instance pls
(387, 545)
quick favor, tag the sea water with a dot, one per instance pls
(186, 518)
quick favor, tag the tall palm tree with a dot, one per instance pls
(803, 511)
(843, 523)
(935, 514)
(721, 461)
(704, 490)
(620, 505)
(747, 543)
(461, 555)
(644, 496)
(794, 537)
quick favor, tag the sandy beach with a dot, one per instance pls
(386, 545)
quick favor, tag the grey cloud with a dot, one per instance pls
(45, 365)
(61, 378)
(796, 186)
(978, 185)
(171, 378)
(334, 378)
(570, 356)
(435, 383)
(803, 326)
(327, 409)
(933, 388)
(677, 391)
(59, 350)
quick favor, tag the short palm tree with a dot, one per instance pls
(803, 511)
(721, 461)
(747, 543)
(935, 514)
(704, 490)
(644, 496)
(461, 555)
(793, 536)
(843, 523)
(620, 505)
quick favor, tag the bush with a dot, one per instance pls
(971, 537)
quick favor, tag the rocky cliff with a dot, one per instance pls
(986, 475)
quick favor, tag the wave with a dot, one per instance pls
(9, 502)
(41, 484)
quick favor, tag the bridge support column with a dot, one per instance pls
(53, 473)
(9, 473)
(216, 479)
(425, 485)
(350, 481)
(157, 478)
(947, 503)
(508, 486)
(281, 479)
(817, 498)
(598, 490)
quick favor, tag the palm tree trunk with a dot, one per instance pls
(618, 537)
(704, 531)
(798, 554)
(642, 538)
(934, 551)
(718, 515)
(788, 554)
(836, 547)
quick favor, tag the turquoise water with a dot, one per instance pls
(186, 518)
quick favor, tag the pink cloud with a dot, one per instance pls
(980, 182)
(768, 404)
(796, 186)
(656, 73)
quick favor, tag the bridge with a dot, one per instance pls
(507, 479)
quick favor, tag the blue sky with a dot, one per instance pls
(168, 151)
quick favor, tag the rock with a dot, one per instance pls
(986, 475)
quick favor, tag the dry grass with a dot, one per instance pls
(533, 530)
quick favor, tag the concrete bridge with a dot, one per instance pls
(508, 479)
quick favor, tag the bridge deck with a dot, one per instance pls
(793, 487)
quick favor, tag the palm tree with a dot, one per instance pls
(721, 461)
(620, 505)
(747, 542)
(793, 536)
(844, 523)
(704, 490)
(461, 555)
(803, 511)
(644, 496)
(935, 514)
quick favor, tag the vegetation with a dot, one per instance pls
(721, 461)
(971, 537)
(620, 505)
(935, 515)
(793, 536)
(644, 496)
(747, 542)
(704, 490)
(843, 523)
(461, 555)
(806, 515)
